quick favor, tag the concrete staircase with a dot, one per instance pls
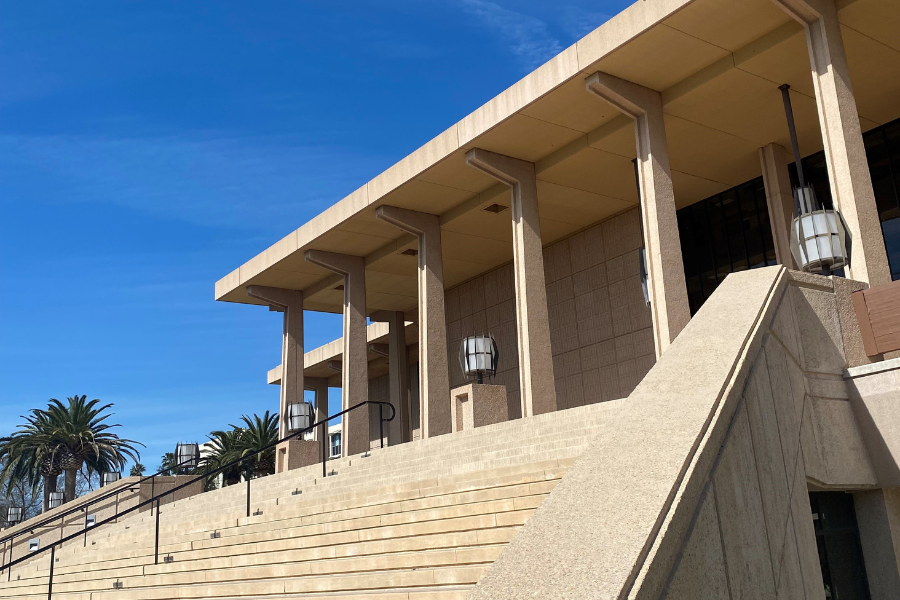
(423, 520)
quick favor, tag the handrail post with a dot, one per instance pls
(324, 453)
(152, 492)
(12, 542)
(381, 423)
(86, 524)
(52, 561)
(156, 543)
(248, 491)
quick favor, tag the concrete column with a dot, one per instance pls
(532, 326)
(668, 289)
(319, 386)
(878, 517)
(779, 198)
(434, 376)
(291, 302)
(845, 153)
(398, 430)
(355, 364)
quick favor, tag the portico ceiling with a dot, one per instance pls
(718, 64)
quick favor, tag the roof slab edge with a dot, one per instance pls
(628, 24)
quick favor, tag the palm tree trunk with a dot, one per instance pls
(71, 475)
(49, 486)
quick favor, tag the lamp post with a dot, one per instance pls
(478, 356)
(820, 242)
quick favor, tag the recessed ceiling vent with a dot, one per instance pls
(410, 252)
(495, 208)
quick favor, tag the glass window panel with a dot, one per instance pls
(708, 281)
(734, 230)
(717, 237)
(765, 225)
(882, 178)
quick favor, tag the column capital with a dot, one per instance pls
(506, 169)
(630, 98)
(410, 221)
(342, 264)
(276, 297)
(807, 11)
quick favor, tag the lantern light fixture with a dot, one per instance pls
(109, 478)
(14, 515)
(56, 500)
(478, 356)
(187, 455)
(820, 241)
(299, 416)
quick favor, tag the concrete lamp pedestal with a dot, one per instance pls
(477, 404)
(295, 454)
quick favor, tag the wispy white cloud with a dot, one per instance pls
(527, 37)
(217, 180)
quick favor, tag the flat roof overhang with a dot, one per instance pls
(718, 64)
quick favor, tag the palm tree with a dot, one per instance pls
(224, 447)
(137, 470)
(259, 433)
(83, 439)
(31, 456)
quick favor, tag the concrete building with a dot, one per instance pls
(717, 428)
(663, 131)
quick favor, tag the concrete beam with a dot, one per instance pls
(668, 290)
(845, 152)
(537, 387)
(355, 366)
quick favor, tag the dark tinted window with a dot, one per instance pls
(726, 233)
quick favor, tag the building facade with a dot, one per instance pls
(585, 215)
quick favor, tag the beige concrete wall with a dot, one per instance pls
(700, 488)
(878, 517)
(126, 498)
(876, 403)
(600, 329)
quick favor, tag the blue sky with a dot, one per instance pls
(148, 148)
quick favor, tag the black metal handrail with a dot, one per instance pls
(80, 507)
(156, 499)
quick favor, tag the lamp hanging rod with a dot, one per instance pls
(795, 146)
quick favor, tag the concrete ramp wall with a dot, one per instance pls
(698, 488)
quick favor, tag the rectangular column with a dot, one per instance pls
(779, 198)
(434, 376)
(668, 290)
(355, 363)
(532, 325)
(398, 429)
(319, 386)
(845, 153)
(878, 518)
(291, 303)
